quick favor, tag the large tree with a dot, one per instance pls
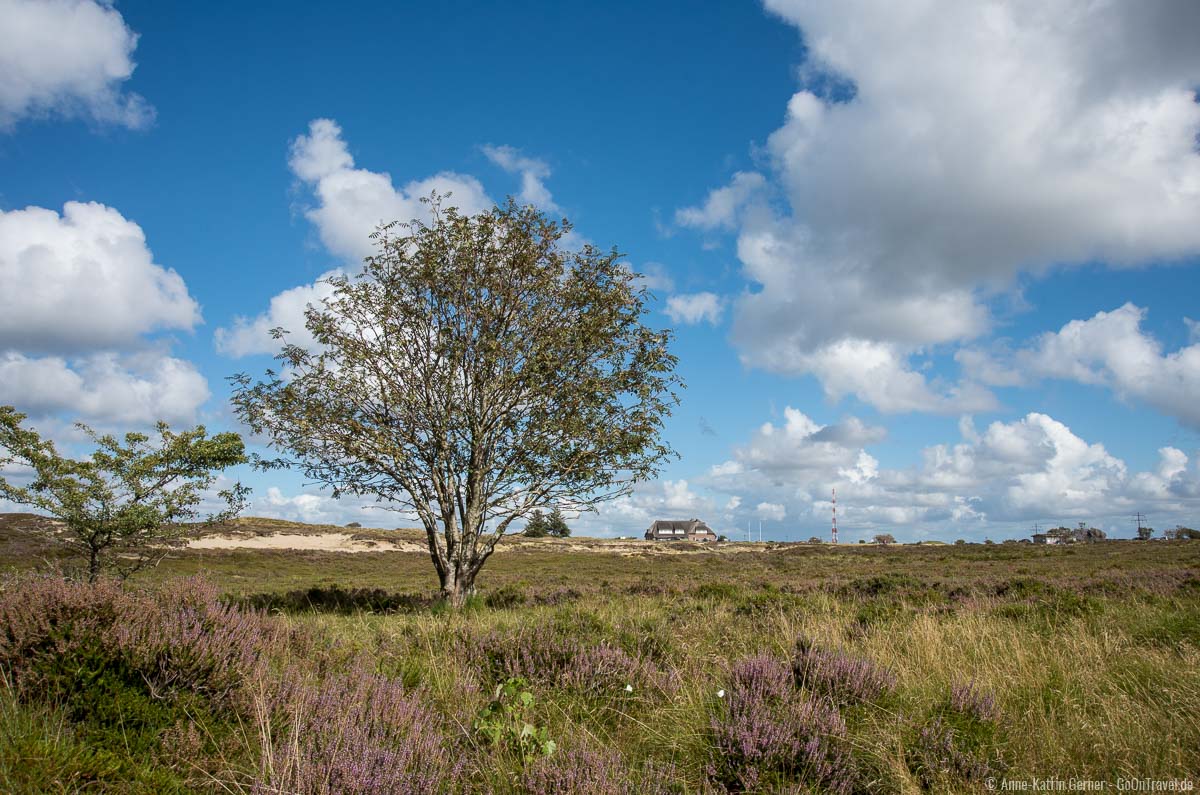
(125, 505)
(475, 370)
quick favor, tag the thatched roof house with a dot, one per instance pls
(685, 530)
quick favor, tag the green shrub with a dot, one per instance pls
(505, 721)
(505, 597)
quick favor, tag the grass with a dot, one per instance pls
(1091, 654)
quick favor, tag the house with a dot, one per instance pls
(1067, 535)
(688, 530)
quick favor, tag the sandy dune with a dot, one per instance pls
(323, 542)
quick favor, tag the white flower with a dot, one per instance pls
(628, 688)
(721, 693)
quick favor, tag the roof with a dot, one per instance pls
(678, 524)
(674, 528)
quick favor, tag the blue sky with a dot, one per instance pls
(941, 257)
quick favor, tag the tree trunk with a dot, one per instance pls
(458, 584)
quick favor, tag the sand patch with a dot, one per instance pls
(323, 542)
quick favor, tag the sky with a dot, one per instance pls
(940, 256)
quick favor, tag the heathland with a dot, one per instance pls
(587, 665)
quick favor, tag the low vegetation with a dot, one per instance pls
(583, 667)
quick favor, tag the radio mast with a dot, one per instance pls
(834, 540)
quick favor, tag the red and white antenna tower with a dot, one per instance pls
(835, 516)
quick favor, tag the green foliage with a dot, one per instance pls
(718, 591)
(885, 539)
(507, 596)
(473, 371)
(504, 721)
(556, 524)
(536, 525)
(126, 504)
(877, 614)
(42, 751)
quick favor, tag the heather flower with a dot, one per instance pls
(767, 733)
(182, 637)
(352, 733)
(577, 771)
(842, 677)
(971, 701)
(542, 655)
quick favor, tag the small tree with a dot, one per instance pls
(885, 539)
(556, 524)
(473, 371)
(815, 540)
(536, 525)
(1145, 533)
(125, 505)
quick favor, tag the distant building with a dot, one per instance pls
(686, 530)
(1066, 535)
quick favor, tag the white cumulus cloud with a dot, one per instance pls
(352, 202)
(692, 308)
(997, 481)
(802, 444)
(104, 388)
(1109, 349)
(84, 279)
(720, 210)
(770, 510)
(68, 58)
(533, 173)
(967, 143)
(286, 311)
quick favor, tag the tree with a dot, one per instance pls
(1181, 533)
(1145, 533)
(815, 540)
(885, 539)
(556, 524)
(535, 527)
(123, 507)
(474, 371)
